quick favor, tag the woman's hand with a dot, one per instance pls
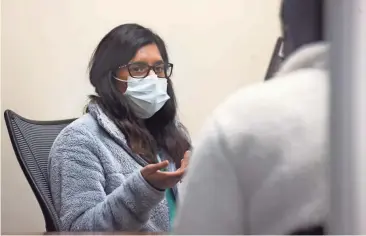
(163, 179)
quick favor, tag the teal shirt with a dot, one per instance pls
(171, 205)
(171, 202)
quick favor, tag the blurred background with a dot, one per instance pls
(216, 47)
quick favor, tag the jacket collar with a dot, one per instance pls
(108, 125)
(313, 55)
(111, 128)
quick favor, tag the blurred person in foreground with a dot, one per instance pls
(259, 166)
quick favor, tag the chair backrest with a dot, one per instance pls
(318, 229)
(32, 141)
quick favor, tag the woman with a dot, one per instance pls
(106, 167)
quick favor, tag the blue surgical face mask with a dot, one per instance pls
(147, 96)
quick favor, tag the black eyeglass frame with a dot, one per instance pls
(171, 65)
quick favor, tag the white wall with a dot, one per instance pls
(216, 46)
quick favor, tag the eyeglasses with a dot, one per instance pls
(141, 69)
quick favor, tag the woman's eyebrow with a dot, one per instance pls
(159, 62)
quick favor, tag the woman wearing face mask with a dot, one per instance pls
(116, 168)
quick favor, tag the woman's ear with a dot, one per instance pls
(122, 86)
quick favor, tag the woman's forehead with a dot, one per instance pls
(149, 53)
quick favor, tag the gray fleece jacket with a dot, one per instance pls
(96, 183)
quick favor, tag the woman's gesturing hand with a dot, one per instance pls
(164, 179)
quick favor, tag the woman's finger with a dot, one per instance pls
(187, 155)
(175, 174)
(152, 168)
(185, 159)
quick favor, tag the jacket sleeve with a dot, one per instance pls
(212, 200)
(78, 181)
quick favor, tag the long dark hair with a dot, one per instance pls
(302, 23)
(145, 137)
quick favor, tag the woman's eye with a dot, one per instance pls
(138, 69)
(159, 69)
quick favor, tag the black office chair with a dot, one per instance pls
(32, 141)
(276, 60)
